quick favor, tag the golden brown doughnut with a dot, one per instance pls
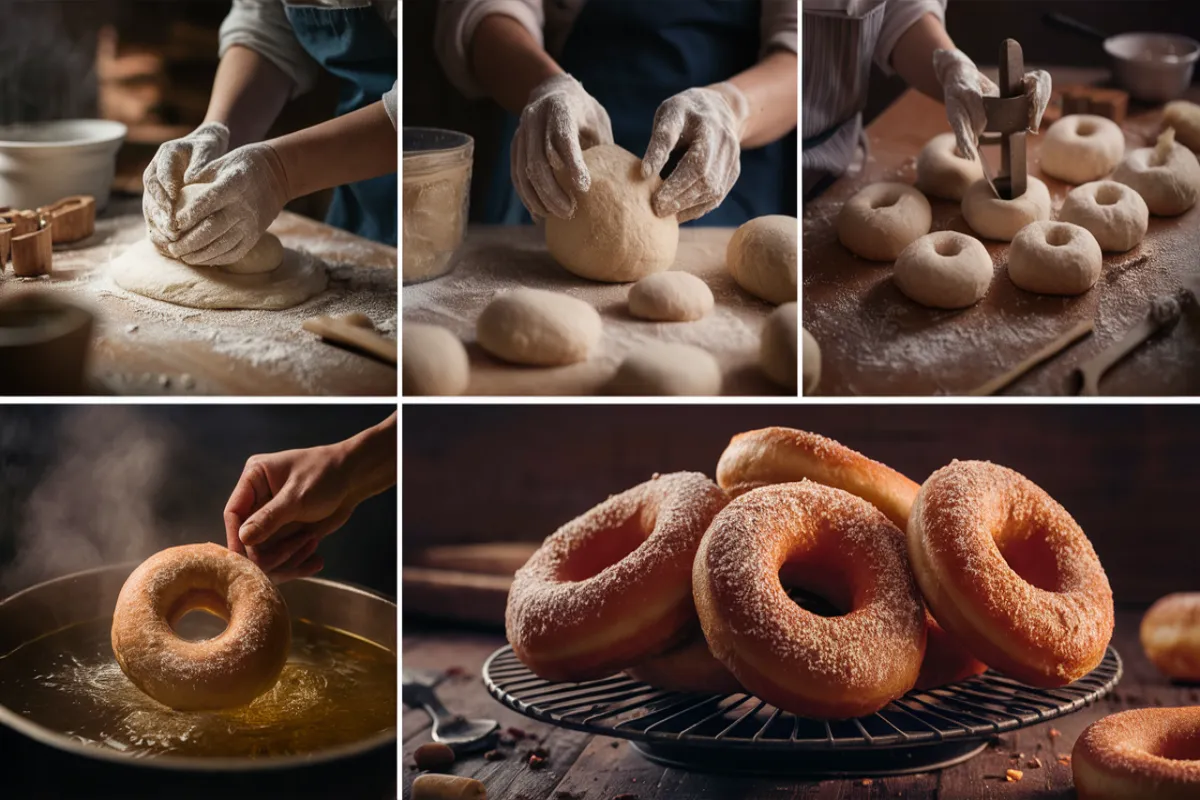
(1140, 754)
(613, 587)
(232, 668)
(1170, 635)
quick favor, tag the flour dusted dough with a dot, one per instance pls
(812, 362)
(994, 218)
(945, 269)
(435, 361)
(1184, 117)
(883, 219)
(762, 256)
(143, 270)
(777, 349)
(670, 297)
(1082, 147)
(675, 370)
(615, 235)
(1112, 212)
(942, 172)
(538, 328)
(1167, 176)
(1054, 258)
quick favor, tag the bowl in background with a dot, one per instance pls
(1153, 67)
(47, 161)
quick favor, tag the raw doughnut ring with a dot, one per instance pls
(943, 172)
(994, 218)
(945, 269)
(1007, 570)
(1170, 635)
(1081, 148)
(1055, 258)
(1142, 753)
(883, 219)
(690, 667)
(232, 668)
(1112, 212)
(1166, 176)
(613, 587)
(837, 545)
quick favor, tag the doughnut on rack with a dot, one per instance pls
(738, 733)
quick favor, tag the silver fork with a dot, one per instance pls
(418, 690)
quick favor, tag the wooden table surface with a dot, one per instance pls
(583, 767)
(875, 341)
(148, 347)
(495, 259)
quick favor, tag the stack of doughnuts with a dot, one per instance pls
(683, 583)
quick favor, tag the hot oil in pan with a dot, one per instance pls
(335, 689)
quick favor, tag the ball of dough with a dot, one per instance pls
(1054, 258)
(670, 297)
(539, 328)
(777, 349)
(265, 256)
(883, 219)
(994, 218)
(1184, 117)
(812, 362)
(615, 235)
(942, 172)
(1081, 148)
(1167, 176)
(762, 257)
(434, 361)
(945, 269)
(675, 370)
(1112, 212)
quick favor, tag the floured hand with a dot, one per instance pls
(964, 87)
(175, 165)
(708, 121)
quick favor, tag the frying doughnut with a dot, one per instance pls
(232, 668)
(1008, 571)
(842, 548)
(1142, 753)
(883, 219)
(690, 667)
(613, 587)
(1170, 635)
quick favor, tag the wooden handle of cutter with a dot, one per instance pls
(1045, 354)
(351, 331)
(1093, 370)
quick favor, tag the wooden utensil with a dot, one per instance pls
(1007, 121)
(1041, 356)
(356, 331)
(33, 253)
(74, 218)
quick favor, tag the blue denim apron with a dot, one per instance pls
(355, 45)
(631, 55)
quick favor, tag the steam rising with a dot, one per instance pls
(44, 73)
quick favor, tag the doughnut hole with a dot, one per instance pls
(1108, 195)
(198, 615)
(886, 201)
(817, 586)
(1058, 236)
(1179, 746)
(1086, 128)
(948, 248)
(1028, 552)
(597, 553)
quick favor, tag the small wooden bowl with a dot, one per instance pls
(44, 345)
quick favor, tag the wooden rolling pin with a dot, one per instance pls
(354, 330)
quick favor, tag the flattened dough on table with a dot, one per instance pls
(143, 270)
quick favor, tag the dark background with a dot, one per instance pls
(84, 486)
(1126, 473)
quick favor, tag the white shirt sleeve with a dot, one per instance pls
(391, 102)
(262, 26)
(780, 29)
(898, 17)
(456, 24)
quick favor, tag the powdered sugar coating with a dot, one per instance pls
(1144, 752)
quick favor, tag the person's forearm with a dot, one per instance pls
(507, 62)
(371, 457)
(353, 147)
(912, 57)
(247, 95)
(770, 89)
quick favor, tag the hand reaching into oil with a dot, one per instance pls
(285, 503)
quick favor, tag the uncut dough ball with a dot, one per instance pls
(1054, 258)
(1184, 117)
(762, 257)
(434, 361)
(1166, 176)
(615, 235)
(670, 297)
(539, 328)
(675, 370)
(883, 219)
(1082, 147)
(994, 218)
(1112, 212)
(265, 256)
(811, 362)
(945, 269)
(777, 347)
(942, 172)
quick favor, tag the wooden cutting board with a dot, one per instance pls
(464, 583)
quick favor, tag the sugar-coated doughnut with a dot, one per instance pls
(945, 269)
(943, 172)
(1112, 212)
(947, 660)
(690, 667)
(228, 670)
(832, 543)
(1006, 570)
(1055, 258)
(1167, 176)
(995, 218)
(1082, 147)
(883, 219)
(613, 587)
(1139, 754)
(1170, 635)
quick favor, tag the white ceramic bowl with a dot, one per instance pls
(1153, 67)
(46, 161)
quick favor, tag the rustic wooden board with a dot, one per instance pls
(147, 347)
(599, 768)
(875, 341)
(496, 259)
